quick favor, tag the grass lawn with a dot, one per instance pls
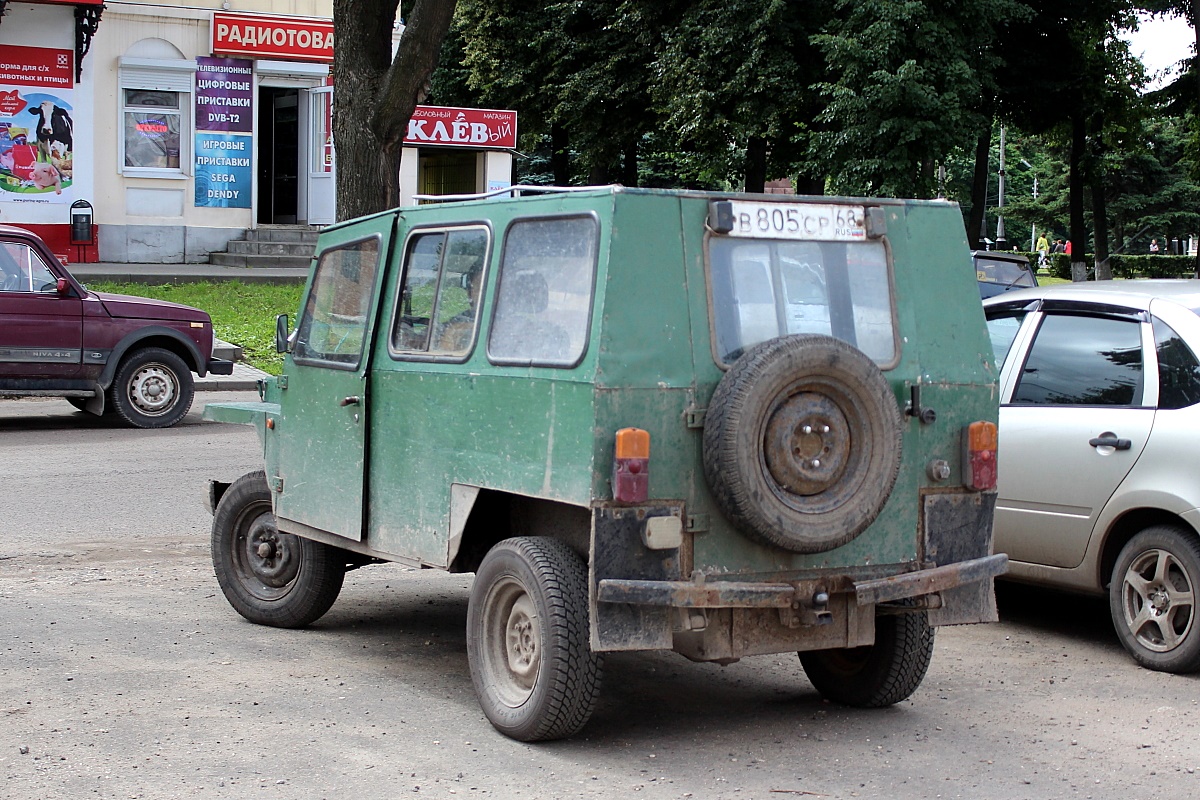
(242, 313)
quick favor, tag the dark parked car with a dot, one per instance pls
(103, 352)
(998, 272)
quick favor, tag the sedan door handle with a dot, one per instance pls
(1111, 441)
(353, 400)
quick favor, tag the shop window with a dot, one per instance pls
(155, 111)
(449, 173)
(153, 128)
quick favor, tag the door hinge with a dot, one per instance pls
(697, 523)
(281, 381)
(277, 483)
(695, 416)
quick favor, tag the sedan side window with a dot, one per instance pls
(22, 270)
(1003, 330)
(1082, 360)
(1178, 369)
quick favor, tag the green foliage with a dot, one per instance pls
(242, 313)
(908, 85)
(1127, 266)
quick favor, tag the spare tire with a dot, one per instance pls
(802, 442)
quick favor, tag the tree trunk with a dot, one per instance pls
(560, 155)
(372, 88)
(805, 184)
(756, 165)
(976, 232)
(629, 164)
(365, 183)
(1078, 234)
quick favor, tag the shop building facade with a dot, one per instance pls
(180, 127)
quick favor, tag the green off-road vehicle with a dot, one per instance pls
(723, 425)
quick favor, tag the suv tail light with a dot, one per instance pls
(631, 466)
(979, 457)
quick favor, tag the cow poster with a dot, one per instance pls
(37, 126)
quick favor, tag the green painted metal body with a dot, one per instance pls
(381, 473)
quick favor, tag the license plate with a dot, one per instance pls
(800, 221)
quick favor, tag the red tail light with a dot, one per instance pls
(631, 466)
(980, 441)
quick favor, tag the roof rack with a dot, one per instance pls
(514, 191)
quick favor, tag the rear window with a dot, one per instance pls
(1000, 271)
(765, 288)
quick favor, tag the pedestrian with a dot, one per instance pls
(1067, 247)
(1042, 248)
(1058, 246)
(1154, 247)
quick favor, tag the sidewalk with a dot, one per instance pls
(244, 377)
(185, 273)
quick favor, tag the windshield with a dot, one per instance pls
(764, 288)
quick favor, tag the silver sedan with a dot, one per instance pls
(1099, 461)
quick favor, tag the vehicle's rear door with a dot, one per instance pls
(41, 331)
(324, 404)
(1073, 421)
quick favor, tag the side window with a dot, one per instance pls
(544, 301)
(22, 270)
(333, 326)
(1081, 360)
(1003, 330)
(438, 307)
(1178, 369)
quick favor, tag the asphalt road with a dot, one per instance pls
(124, 674)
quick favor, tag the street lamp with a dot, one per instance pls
(1033, 227)
(1001, 244)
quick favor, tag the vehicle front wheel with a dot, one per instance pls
(270, 578)
(527, 640)
(153, 388)
(1152, 599)
(878, 675)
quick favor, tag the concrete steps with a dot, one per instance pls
(270, 246)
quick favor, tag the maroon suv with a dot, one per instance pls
(131, 356)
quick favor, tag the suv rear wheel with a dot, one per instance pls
(153, 388)
(527, 640)
(880, 674)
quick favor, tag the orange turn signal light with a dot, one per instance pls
(633, 443)
(981, 441)
(631, 466)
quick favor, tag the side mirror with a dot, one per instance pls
(63, 287)
(281, 333)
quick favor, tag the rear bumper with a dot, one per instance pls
(700, 593)
(219, 366)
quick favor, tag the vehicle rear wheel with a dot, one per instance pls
(1152, 598)
(153, 388)
(802, 442)
(527, 640)
(270, 578)
(880, 674)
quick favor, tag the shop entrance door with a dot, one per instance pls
(322, 190)
(278, 155)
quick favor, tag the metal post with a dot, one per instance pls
(1001, 244)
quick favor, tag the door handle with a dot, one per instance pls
(1110, 441)
(353, 400)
